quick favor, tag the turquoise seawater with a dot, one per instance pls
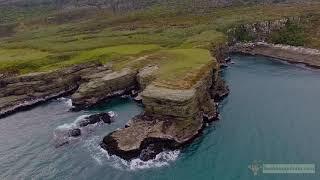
(271, 116)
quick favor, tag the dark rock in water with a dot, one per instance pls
(228, 59)
(75, 132)
(93, 119)
(223, 65)
(150, 152)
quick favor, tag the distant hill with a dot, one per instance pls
(16, 10)
(138, 4)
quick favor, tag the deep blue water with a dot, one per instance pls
(271, 116)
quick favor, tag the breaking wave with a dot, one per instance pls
(61, 134)
(102, 157)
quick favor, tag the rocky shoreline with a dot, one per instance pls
(290, 54)
(172, 117)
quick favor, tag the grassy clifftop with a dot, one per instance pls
(176, 39)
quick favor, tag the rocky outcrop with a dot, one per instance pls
(291, 54)
(104, 86)
(172, 118)
(146, 136)
(19, 92)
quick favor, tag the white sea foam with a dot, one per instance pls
(162, 159)
(102, 157)
(112, 114)
(66, 101)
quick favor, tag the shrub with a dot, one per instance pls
(240, 34)
(291, 34)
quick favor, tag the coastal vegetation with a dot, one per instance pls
(291, 34)
(177, 39)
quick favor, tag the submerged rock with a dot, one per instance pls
(75, 132)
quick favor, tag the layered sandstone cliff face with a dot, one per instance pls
(103, 86)
(23, 91)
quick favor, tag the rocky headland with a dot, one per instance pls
(173, 117)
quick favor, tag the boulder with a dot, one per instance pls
(99, 89)
(93, 119)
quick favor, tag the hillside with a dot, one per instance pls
(17, 10)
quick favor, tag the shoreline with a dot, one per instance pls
(290, 54)
(172, 118)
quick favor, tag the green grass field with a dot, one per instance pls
(177, 40)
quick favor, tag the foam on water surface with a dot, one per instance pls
(61, 133)
(102, 157)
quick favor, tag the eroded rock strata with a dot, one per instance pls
(20, 92)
